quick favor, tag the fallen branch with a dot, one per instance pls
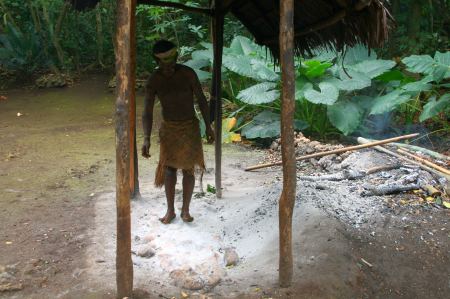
(337, 151)
(426, 162)
(386, 151)
(390, 188)
(348, 174)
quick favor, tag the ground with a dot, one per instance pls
(57, 179)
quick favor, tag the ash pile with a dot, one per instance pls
(361, 187)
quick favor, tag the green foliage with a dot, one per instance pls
(20, 52)
(267, 125)
(433, 107)
(332, 92)
(261, 93)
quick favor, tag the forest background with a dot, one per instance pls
(400, 88)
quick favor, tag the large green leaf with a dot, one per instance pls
(328, 94)
(345, 115)
(301, 85)
(202, 75)
(422, 64)
(356, 81)
(243, 46)
(315, 68)
(357, 54)
(263, 72)
(266, 125)
(202, 55)
(259, 94)
(442, 58)
(422, 85)
(197, 63)
(239, 64)
(373, 68)
(393, 75)
(389, 102)
(434, 107)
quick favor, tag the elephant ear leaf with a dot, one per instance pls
(328, 94)
(422, 64)
(389, 102)
(345, 115)
(433, 107)
(259, 94)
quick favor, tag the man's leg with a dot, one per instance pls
(170, 181)
(188, 188)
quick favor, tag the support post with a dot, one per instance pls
(134, 175)
(125, 87)
(287, 198)
(217, 23)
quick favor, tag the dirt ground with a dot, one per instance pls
(57, 176)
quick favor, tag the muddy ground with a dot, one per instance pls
(57, 176)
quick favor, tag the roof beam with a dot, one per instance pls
(200, 10)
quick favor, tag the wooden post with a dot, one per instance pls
(134, 181)
(218, 20)
(125, 89)
(287, 198)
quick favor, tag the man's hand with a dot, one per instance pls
(210, 135)
(146, 148)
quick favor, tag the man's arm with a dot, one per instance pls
(203, 105)
(147, 117)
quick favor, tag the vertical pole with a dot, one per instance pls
(125, 86)
(217, 90)
(287, 198)
(134, 182)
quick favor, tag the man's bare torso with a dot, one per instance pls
(175, 92)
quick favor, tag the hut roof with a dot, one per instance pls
(318, 23)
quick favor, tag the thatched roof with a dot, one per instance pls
(318, 23)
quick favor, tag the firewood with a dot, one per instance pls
(348, 174)
(390, 188)
(337, 151)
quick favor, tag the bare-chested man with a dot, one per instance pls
(175, 86)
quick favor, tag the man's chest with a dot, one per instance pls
(173, 86)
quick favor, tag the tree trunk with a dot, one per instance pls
(414, 19)
(287, 198)
(125, 64)
(99, 27)
(55, 32)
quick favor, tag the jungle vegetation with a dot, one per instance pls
(407, 80)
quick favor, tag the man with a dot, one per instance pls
(175, 85)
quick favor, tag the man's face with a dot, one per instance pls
(167, 61)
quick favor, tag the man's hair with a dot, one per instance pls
(162, 46)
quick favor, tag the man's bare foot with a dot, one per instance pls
(168, 217)
(186, 217)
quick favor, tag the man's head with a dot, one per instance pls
(165, 54)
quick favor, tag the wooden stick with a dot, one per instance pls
(337, 151)
(287, 198)
(426, 162)
(423, 150)
(386, 151)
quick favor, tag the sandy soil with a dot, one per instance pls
(57, 217)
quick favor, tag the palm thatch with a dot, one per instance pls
(318, 23)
